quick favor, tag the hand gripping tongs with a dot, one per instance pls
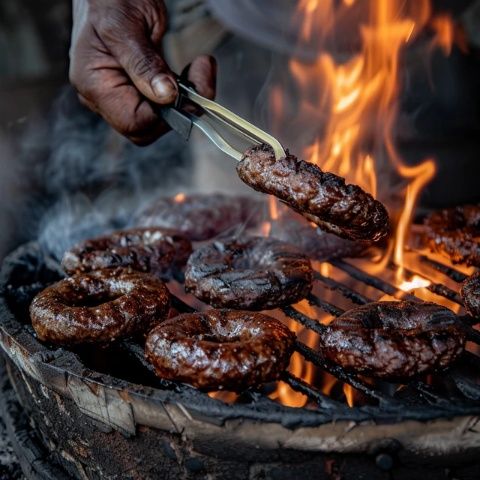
(219, 124)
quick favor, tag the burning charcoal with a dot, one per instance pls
(220, 349)
(454, 233)
(394, 340)
(253, 273)
(324, 198)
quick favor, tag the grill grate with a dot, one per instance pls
(454, 392)
(423, 400)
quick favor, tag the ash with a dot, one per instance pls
(9, 466)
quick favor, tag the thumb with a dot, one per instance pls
(147, 69)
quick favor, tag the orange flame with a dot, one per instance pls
(447, 33)
(357, 100)
(324, 268)
(415, 282)
(349, 397)
(354, 102)
(226, 397)
(298, 366)
(273, 215)
(273, 207)
(329, 381)
(419, 176)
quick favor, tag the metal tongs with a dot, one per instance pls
(223, 127)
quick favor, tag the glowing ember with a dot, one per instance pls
(179, 197)
(227, 397)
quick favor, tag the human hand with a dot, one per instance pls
(117, 68)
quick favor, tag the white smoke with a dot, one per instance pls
(83, 178)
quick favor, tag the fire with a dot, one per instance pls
(324, 268)
(226, 397)
(273, 215)
(179, 197)
(345, 120)
(415, 282)
(447, 33)
(265, 229)
(420, 176)
(315, 12)
(348, 391)
(273, 208)
(355, 100)
(298, 366)
(329, 381)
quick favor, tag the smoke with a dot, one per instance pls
(83, 178)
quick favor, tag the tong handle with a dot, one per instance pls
(182, 121)
(230, 119)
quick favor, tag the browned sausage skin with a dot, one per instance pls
(252, 273)
(220, 349)
(99, 307)
(455, 233)
(394, 340)
(345, 210)
(201, 216)
(153, 250)
(471, 294)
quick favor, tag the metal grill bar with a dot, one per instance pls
(304, 320)
(472, 334)
(454, 392)
(450, 272)
(436, 288)
(426, 391)
(325, 306)
(469, 390)
(312, 393)
(372, 281)
(347, 292)
(472, 359)
(338, 372)
(466, 387)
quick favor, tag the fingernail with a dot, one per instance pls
(164, 88)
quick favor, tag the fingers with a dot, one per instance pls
(132, 33)
(202, 72)
(118, 69)
(111, 94)
(147, 70)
